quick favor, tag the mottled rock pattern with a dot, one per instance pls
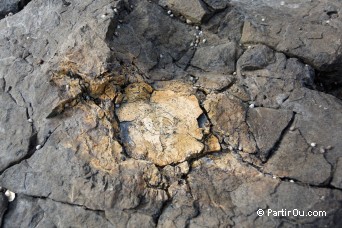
(170, 113)
(162, 129)
(228, 116)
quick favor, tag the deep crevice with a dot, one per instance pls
(275, 147)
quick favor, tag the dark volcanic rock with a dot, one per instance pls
(170, 113)
(32, 212)
(3, 205)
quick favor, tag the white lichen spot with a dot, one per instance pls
(10, 195)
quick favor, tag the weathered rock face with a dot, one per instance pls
(170, 113)
(162, 128)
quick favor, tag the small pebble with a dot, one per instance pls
(10, 14)
(234, 73)
(161, 56)
(169, 12)
(117, 106)
(200, 33)
(30, 120)
(115, 10)
(251, 105)
(188, 21)
(282, 3)
(263, 19)
(313, 144)
(204, 40)
(118, 26)
(171, 15)
(292, 128)
(274, 177)
(291, 181)
(67, 87)
(249, 47)
(197, 28)
(322, 150)
(10, 195)
(38, 147)
(103, 16)
(191, 44)
(240, 148)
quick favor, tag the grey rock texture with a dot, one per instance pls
(8, 6)
(171, 113)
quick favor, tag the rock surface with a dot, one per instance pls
(170, 113)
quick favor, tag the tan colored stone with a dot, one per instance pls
(213, 144)
(164, 129)
(138, 91)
